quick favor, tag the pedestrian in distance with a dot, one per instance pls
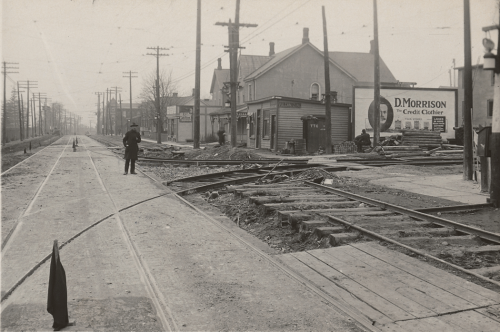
(130, 140)
(362, 140)
(222, 136)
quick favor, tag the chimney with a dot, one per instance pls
(305, 36)
(271, 48)
(219, 66)
(175, 94)
(372, 44)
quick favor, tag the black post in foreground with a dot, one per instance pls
(57, 301)
(328, 108)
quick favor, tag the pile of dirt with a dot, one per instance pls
(264, 225)
(169, 173)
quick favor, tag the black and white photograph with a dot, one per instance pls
(250, 165)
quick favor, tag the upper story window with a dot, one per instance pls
(315, 91)
(250, 92)
(492, 78)
(489, 106)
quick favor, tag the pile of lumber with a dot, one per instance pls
(401, 151)
(448, 150)
(422, 138)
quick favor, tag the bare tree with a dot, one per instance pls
(148, 96)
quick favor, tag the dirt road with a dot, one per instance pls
(149, 263)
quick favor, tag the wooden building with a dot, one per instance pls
(274, 121)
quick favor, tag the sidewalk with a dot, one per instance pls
(451, 187)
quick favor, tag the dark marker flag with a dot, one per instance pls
(57, 301)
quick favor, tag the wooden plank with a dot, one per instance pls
(469, 291)
(492, 312)
(342, 296)
(423, 325)
(420, 291)
(298, 203)
(471, 321)
(354, 288)
(380, 284)
(302, 198)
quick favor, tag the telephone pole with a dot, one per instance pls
(129, 115)
(196, 115)
(27, 85)
(5, 72)
(115, 117)
(468, 166)
(98, 125)
(234, 45)
(20, 110)
(157, 99)
(376, 79)
(328, 106)
(103, 115)
(121, 117)
(35, 97)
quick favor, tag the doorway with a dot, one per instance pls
(273, 133)
(257, 135)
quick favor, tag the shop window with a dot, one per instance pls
(315, 91)
(266, 130)
(490, 108)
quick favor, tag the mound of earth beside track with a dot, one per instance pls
(225, 152)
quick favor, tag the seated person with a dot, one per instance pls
(363, 139)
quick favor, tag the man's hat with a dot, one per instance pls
(134, 125)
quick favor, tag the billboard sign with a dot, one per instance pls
(406, 108)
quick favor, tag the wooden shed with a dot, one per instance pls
(274, 121)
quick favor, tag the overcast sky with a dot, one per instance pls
(76, 48)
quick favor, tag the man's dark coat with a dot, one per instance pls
(130, 141)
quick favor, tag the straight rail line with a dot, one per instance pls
(493, 237)
(15, 229)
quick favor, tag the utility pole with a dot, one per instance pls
(103, 115)
(196, 115)
(27, 85)
(468, 167)
(40, 95)
(121, 116)
(106, 125)
(157, 99)
(5, 72)
(129, 116)
(115, 118)
(328, 106)
(376, 80)
(98, 128)
(19, 106)
(234, 45)
(33, 116)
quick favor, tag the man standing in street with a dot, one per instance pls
(130, 140)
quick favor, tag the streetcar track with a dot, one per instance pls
(15, 228)
(160, 303)
(334, 226)
(155, 294)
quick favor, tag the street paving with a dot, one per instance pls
(155, 264)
